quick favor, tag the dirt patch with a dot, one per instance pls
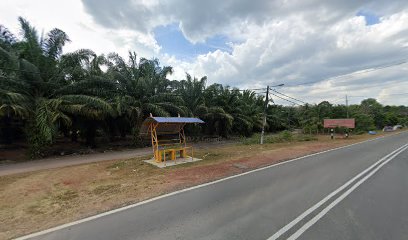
(107, 189)
(34, 201)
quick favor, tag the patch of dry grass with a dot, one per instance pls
(34, 201)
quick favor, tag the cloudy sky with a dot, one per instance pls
(320, 50)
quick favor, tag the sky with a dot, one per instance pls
(320, 49)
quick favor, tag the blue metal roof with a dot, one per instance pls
(177, 120)
(166, 124)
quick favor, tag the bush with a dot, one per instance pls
(254, 139)
(359, 132)
(304, 138)
(38, 143)
(285, 136)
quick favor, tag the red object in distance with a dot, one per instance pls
(332, 123)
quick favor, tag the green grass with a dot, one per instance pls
(118, 165)
(282, 137)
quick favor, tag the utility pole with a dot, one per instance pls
(347, 111)
(347, 107)
(264, 113)
(288, 119)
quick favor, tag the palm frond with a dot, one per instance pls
(76, 58)
(155, 110)
(166, 97)
(44, 120)
(28, 32)
(54, 42)
(14, 109)
(6, 37)
(87, 106)
(94, 86)
(172, 109)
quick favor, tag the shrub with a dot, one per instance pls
(285, 136)
(304, 138)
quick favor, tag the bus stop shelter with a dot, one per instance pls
(168, 138)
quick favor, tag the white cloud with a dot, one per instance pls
(272, 42)
(71, 17)
(294, 51)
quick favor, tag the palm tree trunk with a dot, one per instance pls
(137, 140)
(6, 131)
(90, 134)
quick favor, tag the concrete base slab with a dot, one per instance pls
(172, 162)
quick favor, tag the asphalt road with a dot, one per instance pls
(378, 210)
(357, 192)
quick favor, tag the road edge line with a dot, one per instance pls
(336, 201)
(308, 211)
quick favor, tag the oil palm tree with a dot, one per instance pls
(30, 66)
(142, 89)
(192, 92)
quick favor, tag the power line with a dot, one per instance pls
(357, 96)
(396, 94)
(366, 70)
(289, 96)
(285, 99)
(389, 94)
(249, 89)
(258, 89)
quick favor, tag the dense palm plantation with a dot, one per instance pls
(81, 96)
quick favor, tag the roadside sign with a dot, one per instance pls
(346, 122)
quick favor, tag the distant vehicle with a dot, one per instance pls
(396, 127)
(388, 129)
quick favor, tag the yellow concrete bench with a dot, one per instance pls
(172, 152)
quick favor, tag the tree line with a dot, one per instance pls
(45, 94)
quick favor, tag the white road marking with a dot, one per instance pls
(66, 225)
(377, 165)
(339, 199)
